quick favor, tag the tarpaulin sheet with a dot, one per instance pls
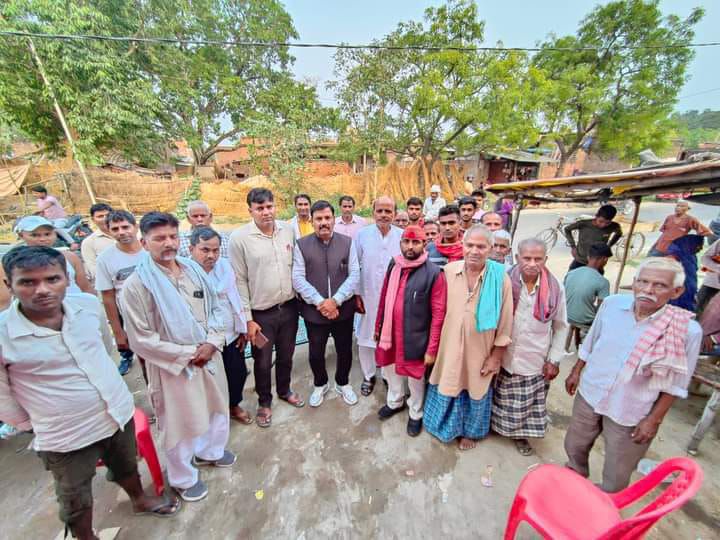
(12, 178)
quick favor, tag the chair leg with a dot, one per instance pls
(514, 518)
(146, 448)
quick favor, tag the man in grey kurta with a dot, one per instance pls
(187, 385)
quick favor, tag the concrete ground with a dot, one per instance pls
(337, 472)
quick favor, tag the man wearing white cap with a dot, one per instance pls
(433, 203)
(39, 231)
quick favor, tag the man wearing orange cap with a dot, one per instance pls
(407, 328)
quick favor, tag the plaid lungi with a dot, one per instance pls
(448, 418)
(518, 409)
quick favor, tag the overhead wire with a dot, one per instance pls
(367, 46)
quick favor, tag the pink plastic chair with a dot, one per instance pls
(560, 504)
(146, 450)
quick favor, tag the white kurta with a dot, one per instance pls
(374, 252)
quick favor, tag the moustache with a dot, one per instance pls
(648, 297)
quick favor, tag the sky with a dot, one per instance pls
(517, 23)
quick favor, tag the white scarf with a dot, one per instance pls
(222, 278)
(178, 320)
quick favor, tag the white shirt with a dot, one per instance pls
(350, 229)
(62, 384)
(114, 266)
(535, 342)
(310, 294)
(431, 208)
(605, 350)
(374, 252)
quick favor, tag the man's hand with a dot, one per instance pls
(645, 431)
(429, 359)
(328, 308)
(491, 366)
(550, 371)
(572, 381)
(359, 304)
(203, 354)
(241, 341)
(252, 330)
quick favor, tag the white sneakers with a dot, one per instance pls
(346, 392)
(318, 395)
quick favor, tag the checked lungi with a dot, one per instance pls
(448, 418)
(519, 405)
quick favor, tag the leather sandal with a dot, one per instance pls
(367, 387)
(263, 417)
(294, 399)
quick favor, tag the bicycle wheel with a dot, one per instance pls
(637, 243)
(549, 237)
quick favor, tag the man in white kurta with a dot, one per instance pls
(187, 385)
(375, 246)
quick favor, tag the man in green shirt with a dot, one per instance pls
(586, 288)
(601, 228)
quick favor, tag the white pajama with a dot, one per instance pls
(396, 392)
(367, 361)
(210, 446)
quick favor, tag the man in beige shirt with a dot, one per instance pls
(57, 378)
(98, 241)
(475, 333)
(261, 254)
(174, 321)
(538, 342)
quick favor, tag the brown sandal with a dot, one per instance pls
(264, 417)
(294, 399)
(240, 415)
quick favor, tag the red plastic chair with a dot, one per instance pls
(146, 450)
(560, 504)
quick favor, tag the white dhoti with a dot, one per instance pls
(396, 392)
(367, 361)
(210, 446)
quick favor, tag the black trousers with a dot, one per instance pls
(318, 334)
(235, 370)
(704, 295)
(279, 324)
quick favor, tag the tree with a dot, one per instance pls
(427, 104)
(212, 94)
(107, 100)
(617, 86)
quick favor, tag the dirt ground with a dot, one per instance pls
(337, 472)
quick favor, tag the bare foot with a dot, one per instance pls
(466, 444)
(160, 506)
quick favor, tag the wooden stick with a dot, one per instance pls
(628, 241)
(61, 117)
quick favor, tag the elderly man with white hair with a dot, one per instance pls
(200, 215)
(532, 360)
(502, 248)
(433, 203)
(636, 360)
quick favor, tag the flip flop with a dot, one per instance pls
(297, 403)
(245, 421)
(367, 387)
(155, 510)
(524, 447)
(263, 418)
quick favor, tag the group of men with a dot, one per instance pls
(467, 339)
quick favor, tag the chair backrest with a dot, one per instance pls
(681, 490)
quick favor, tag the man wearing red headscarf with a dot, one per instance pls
(407, 328)
(448, 245)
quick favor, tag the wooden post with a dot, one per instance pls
(628, 241)
(516, 218)
(63, 123)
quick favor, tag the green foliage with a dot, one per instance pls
(621, 97)
(425, 104)
(192, 193)
(694, 127)
(107, 100)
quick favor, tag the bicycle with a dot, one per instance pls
(637, 243)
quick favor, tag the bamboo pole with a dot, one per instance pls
(63, 123)
(516, 218)
(628, 241)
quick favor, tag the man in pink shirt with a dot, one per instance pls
(48, 206)
(348, 223)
